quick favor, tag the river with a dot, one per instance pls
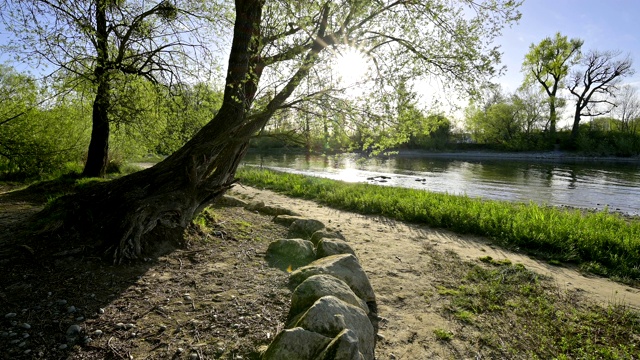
(575, 183)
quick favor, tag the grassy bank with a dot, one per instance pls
(602, 243)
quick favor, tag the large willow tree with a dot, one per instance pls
(282, 44)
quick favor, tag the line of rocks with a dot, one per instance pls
(333, 313)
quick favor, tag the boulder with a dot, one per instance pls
(318, 286)
(276, 211)
(295, 252)
(328, 247)
(304, 228)
(325, 234)
(342, 347)
(296, 344)
(255, 205)
(287, 220)
(228, 200)
(344, 267)
(329, 316)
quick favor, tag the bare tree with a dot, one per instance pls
(596, 84)
(628, 108)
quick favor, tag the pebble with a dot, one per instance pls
(25, 335)
(61, 302)
(101, 311)
(26, 326)
(129, 326)
(180, 350)
(74, 329)
(62, 346)
(80, 318)
(163, 327)
(10, 315)
(71, 309)
(27, 352)
(97, 332)
(120, 326)
(194, 356)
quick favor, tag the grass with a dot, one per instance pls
(522, 315)
(602, 243)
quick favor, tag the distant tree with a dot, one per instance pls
(628, 108)
(96, 40)
(547, 64)
(531, 106)
(595, 85)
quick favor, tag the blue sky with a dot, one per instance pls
(602, 24)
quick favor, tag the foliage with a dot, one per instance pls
(602, 238)
(39, 134)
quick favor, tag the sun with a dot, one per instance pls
(351, 66)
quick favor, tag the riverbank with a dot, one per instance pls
(546, 156)
(601, 242)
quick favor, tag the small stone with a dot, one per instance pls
(10, 315)
(14, 323)
(86, 340)
(22, 344)
(71, 309)
(163, 327)
(61, 302)
(26, 326)
(193, 356)
(97, 332)
(129, 326)
(179, 350)
(120, 326)
(62, 346)
(27, 352)
(74, 330)
(80, 318)
(4, 334)
(25, 335)
(101, 311)
(14, 341)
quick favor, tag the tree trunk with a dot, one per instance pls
(576, 125)
(130, 216)
(98, 154)
(552, 117)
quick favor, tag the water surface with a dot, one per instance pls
(593, 185)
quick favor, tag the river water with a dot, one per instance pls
(583, 184)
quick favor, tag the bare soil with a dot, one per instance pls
(215, 297)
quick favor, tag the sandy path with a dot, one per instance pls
(394, 255)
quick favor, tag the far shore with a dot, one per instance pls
(550, 156)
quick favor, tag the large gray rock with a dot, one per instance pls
(318, 286)
(325, 234)
(228, 200)
(304, 228)
(329, 316)
(296, 344)
(276, 211)
(343, 347)
(287, 220)
(255, 205)
(328, 247)
(344, 267)
(294, 252)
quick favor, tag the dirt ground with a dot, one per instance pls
(216, 297)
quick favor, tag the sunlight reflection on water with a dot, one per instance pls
(585, 185)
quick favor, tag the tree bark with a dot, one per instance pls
(128, 217)
(552, 117)
(98, 154)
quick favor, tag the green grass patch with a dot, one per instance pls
(535, 320)
(608, 243)
(444, 335)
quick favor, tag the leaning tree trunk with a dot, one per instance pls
(127, 217)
